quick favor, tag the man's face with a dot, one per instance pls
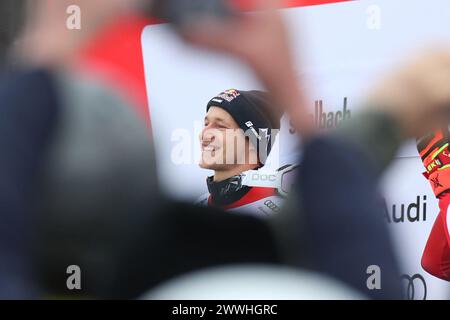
(223, 143)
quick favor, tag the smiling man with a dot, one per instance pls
(239, 131)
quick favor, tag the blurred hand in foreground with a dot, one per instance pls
(47, 39)
(417, 94)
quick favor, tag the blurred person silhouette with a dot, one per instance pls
(99, 207)
(33, 105)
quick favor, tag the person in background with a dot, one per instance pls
(32, 111)
(240, 127)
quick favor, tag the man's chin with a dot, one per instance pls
(208, 161)
(212, 166)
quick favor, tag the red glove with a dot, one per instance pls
(434, 151)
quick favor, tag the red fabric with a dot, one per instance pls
(250, 4)
(438, 135)
(115, 56)
(436, 256)
(253, 195)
